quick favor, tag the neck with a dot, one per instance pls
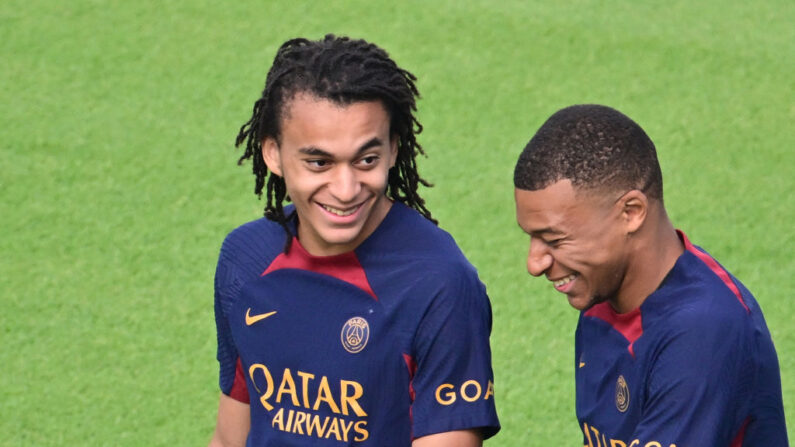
(654, 249)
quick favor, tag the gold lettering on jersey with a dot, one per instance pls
(595, 438)
(287, 387)
(328, 427)
(489, 390)
(305, 378)
(470, 391)
(443, 396)
(268, 384)
(308, 394)
(324, 395)
(351, 401)
(472, 395)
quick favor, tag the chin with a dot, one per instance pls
(341, 237)
(580, 303)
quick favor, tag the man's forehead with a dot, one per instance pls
(558, 195)
(308, 97)
(554, 208)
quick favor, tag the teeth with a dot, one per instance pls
(339, 212)
(564, 281)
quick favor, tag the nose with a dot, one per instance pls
(538, 259)
(345, 185)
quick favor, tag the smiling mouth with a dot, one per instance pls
(341, 212)
(563, 281)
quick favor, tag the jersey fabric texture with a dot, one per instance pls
(373, 347)
(693, 366)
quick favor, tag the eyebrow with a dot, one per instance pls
(317, 152)
(547, 230)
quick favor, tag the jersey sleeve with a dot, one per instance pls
(453, 383)
(700, 384)
(227, 285)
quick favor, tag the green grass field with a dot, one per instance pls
(118, 181)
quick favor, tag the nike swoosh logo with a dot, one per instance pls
(251, 319)
(582, 364)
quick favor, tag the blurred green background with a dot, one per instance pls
(118, 181)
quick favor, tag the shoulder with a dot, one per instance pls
(698, 290)
(258, 236)
(248, 250)
(411, 253)
(702, 308)
(406, 233)
(709, 309)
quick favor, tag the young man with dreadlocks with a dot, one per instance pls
(670, 349)
(348, 317)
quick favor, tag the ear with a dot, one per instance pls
(634, 209)
(393, 151)
(272, 156)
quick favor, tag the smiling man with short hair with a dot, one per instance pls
(671, 349)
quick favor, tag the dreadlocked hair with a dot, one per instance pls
(343, 71)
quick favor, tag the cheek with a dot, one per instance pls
(377, 178)
(608, 270)
(591, 261)
(301, 187)
(604, 247)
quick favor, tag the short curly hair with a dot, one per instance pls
(593, 146)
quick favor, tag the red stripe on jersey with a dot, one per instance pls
(412, 366)
(345, 267)
(715, 267)
(630, 324)
(239, 391)
(738, 440)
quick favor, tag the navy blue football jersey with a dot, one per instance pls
(374, 347)
(693, 366)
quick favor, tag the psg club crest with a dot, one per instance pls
(354, 335)
(622, 394)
